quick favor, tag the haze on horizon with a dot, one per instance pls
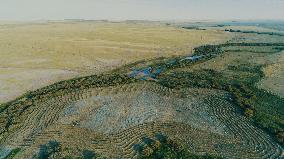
(13, 10)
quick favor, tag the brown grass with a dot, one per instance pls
(274, 76)
(80, 48)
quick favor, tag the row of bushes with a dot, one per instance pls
(208, 50)
(272, 50)
(193, 28)
(205, 52)
(211, 50)
(251, 44)
(254, 32)
(82, 83)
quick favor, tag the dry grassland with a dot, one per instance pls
(274, 75)
(38, 54)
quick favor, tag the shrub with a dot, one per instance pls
(280, 136)
(87, 154)
(249, 112)
(49, 149)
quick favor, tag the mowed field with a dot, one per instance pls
(33, 55)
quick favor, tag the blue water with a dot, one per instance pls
(153, 73)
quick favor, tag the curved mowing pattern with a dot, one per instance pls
(111, 120)
(254, 143)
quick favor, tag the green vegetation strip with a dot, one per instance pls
(254, 32)
(253, 49)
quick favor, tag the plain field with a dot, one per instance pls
(274, 75)
(33, 55)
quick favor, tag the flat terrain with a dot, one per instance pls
(274, 75)
(47, 52)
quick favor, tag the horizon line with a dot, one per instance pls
(149, 20)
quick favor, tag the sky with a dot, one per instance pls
(14, 10)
